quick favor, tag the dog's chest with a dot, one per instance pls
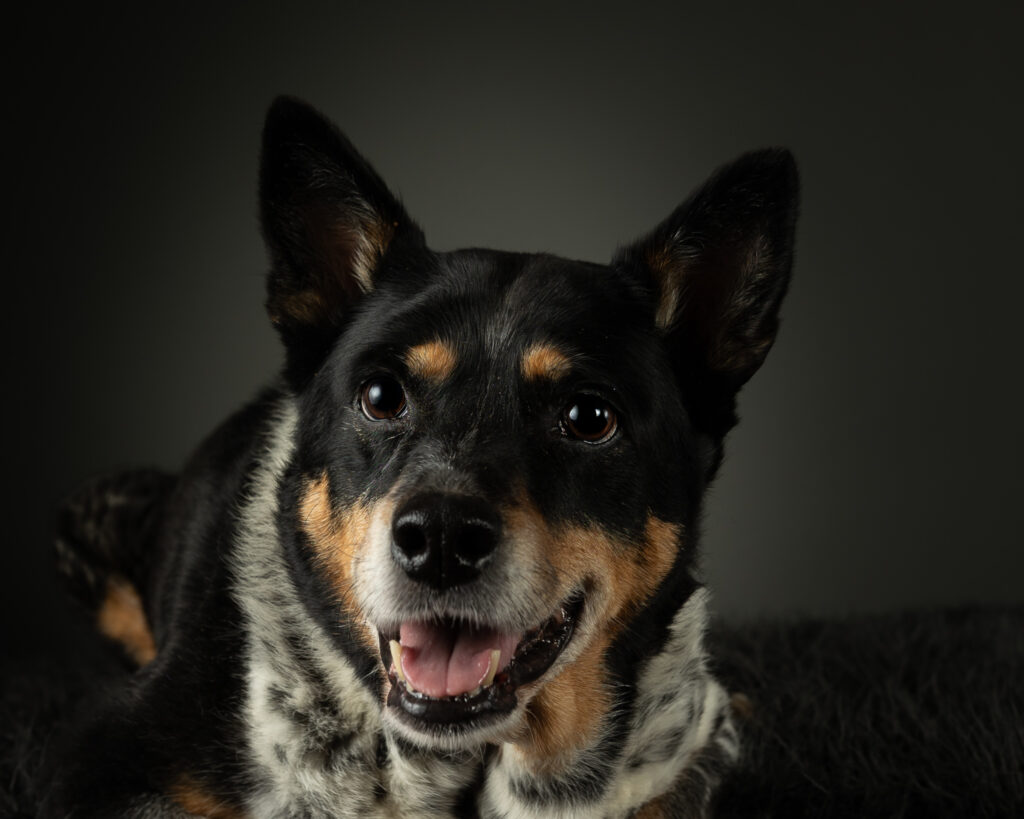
(319, 749)
(321, 753)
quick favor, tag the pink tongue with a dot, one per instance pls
(442, 661)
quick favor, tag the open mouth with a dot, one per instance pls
(446, 673)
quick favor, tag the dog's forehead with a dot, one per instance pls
(502, 305)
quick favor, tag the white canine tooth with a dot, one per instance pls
(476, 691)
(396, 659)
(492, 669)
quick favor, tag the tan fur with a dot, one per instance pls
(742, 707)
(305, 307)
(667, 272)
(199, 802)
(619, 576)
(349, 261)
(336, 536)
(122, 618)
(626, 573)
(652, 810)
(739, 355)
(724, 351)
(433, 360)
(564, 714)
(364, 247)
(545, 361)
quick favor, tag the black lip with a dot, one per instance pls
(534, 655)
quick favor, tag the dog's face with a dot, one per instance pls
(501, 456)
(497, 486)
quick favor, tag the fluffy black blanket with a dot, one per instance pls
(891, 716)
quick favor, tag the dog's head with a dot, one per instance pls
(501, 457)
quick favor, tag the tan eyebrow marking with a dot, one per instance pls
(434, 360)
(545, 361)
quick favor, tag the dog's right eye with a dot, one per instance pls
(589, 418)
(382, 398)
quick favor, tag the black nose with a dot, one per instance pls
(444, 540)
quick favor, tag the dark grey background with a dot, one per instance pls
(878, 465)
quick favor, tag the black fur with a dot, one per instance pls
(104, 530)
(666, 335)
(178, 710)
(318, 196)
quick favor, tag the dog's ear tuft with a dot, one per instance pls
(328, 220)
(718, 268)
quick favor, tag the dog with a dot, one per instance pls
(444, 566)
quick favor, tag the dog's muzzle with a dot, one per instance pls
(448, 670)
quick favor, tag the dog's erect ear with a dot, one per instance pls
(719, 267)
(328, 220)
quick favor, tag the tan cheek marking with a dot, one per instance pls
(195, 800)
(122, 618)
(566, 711)
(434, 360)
(545, 361)
(629, 573)
(336, 538)
(661, 546)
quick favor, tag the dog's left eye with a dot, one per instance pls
(589, 418)
(382, 398)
